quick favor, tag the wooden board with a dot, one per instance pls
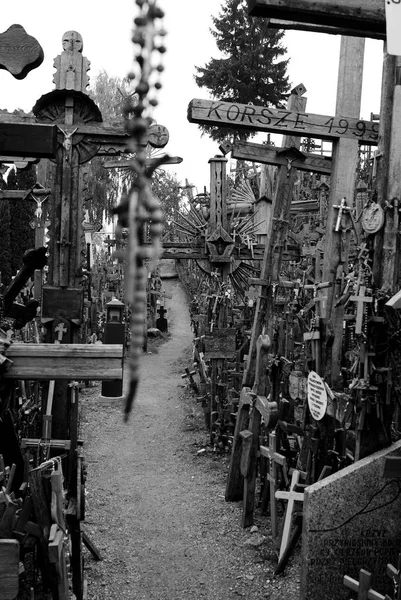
(9, 569)
(78, 362)
(270, 155)
(62, 302)
(220, 344)
(301, 26)
(351, 15)
(19, 52)
(37, 141)
(262, 118)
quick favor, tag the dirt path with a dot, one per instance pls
(155, 507)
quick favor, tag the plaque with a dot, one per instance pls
(317, 396)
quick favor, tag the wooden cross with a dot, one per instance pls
(291, 496)
(354, 17)
(362, 587)
(361, 299)
(275, 460)
(271, 155)
(60, 330)
(258, 118)
(190, 375)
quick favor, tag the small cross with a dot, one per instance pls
(291, 496)
(361, 300)
(342, 207)
(362, 587)
(60, 330)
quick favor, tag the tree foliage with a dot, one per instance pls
(107, 92)
(252, 70)
(166, 188)
(22, 236)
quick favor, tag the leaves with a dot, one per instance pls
(251, 72)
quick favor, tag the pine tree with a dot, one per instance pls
(252, 71)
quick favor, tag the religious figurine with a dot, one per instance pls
(372, 218)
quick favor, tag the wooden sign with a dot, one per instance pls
(220, 343)
(262, 118)
(19, 52)
(317, 396)
(62, 302)
(37, 141)
(353, 15)
(272, 155)
(71, 362)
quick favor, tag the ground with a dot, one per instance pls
(155, 503)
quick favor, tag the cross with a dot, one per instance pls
(258, 118)
(342, 208)
(362, 587)
(190, 375)
(365, 19)
(275, 460)
(291, 496)
(361, 300)
(271, 155)
(60, 330)
(162, 311)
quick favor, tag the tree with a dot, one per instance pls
(166, 188)
(108, 93)
(22, 236)
(252, 71)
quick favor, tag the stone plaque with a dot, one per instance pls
(351, 522)
(317, 396)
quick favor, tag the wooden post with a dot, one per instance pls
(279, 227)
(343, 179)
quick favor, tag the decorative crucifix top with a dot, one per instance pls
(71, 67)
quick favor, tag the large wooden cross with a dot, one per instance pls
(365, 18)
(288, 122)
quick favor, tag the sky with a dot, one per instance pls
(106, 29)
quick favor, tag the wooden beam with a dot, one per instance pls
(270, 155)
(9, 569)
(38, 141)
(351, 15)
(23, 194)
(288, 122)
(79, 362)
(301, 26)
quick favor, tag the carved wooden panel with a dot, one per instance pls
(19, 52)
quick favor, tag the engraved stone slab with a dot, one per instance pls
(351, 522)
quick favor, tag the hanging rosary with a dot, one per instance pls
(139, 207)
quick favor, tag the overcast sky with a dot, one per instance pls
(106, 30)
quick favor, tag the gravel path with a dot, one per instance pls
(155, 507)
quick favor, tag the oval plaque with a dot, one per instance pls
(317, 396)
